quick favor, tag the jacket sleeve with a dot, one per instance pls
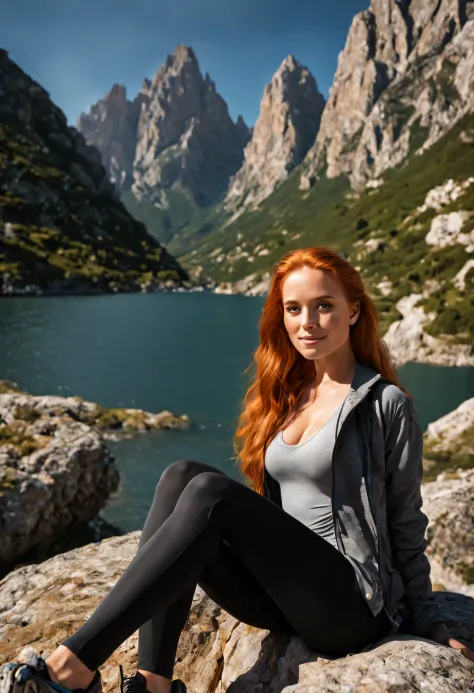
(406, 522)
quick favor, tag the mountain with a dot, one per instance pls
(62, 227)
(403, 80)
(193, 169)
(173, 149)
(111, 127)
(288, 122)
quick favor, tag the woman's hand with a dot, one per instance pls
(439, 632)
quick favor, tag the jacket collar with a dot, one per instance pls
(363, 380)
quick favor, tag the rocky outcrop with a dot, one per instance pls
(448, 229)
(62, 227)
(289, 119)
(444, 433)
(55, 469)
(403, 79)
(111, 127)
(176, 134)
(41, 605)
(408, 341)
(449, 442)
(450, 535)
(54, 473)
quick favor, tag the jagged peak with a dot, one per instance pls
(118, 92)
(183, 59)
(290, 64)
(184, 53)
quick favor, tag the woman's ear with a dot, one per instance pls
(355, 314)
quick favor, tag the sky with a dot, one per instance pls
(77, 49)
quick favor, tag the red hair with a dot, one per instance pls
(282, 373)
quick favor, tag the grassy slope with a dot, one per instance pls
(91, 237)
(173, 226)
(327, 215)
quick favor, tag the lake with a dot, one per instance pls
(184, 352)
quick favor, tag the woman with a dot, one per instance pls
(329, 543)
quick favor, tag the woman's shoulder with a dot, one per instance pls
(391, 398)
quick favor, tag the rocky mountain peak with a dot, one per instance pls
(177, 133)
(111, 126)
(289, 119)
(390, 92)
(117, 94)
(186, 138)
(181, 63)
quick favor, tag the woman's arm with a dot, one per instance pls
(407, 525)
(406, 522)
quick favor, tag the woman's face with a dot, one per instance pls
(315, 305)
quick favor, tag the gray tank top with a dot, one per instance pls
(304, 472)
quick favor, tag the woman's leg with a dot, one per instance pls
(158, 638)
(311, 582)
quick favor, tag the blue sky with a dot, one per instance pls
(77, 49)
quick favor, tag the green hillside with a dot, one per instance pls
(58, 234)
(331, 214)
(183, 222)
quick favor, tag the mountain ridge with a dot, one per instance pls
(62, 227)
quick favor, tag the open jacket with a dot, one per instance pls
(376, 499)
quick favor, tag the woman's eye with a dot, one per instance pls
(328, 305)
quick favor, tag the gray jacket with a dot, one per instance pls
(376, 500)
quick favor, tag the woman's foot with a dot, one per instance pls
(35, 670)
(147, 682)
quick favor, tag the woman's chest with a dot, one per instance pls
(310, 419)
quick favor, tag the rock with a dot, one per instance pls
(55, 469)
(111, 127)
(450, 534)
(403, 80)
(289, 119)
(459, 280)
(385, 287)
(443, 433)
(446, 230)
(62, 479)
(408, 342)
(444, 194)
(41, 605)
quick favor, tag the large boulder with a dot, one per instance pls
(42, 604)
(450, 534)
(56, 471)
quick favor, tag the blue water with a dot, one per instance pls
(184, 352)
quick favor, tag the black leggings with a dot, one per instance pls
(256, 561)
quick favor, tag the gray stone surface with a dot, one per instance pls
(40, 605)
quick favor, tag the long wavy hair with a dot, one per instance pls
(282, 373)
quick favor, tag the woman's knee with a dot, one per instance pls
(210, 487)
(180, 472)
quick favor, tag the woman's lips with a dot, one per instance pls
(311, 341)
